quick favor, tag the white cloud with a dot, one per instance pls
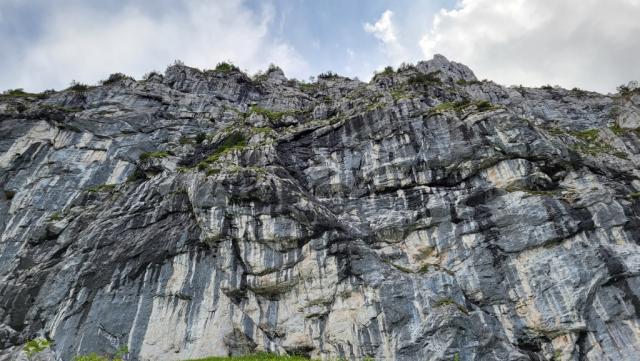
(385, 31)
(85, 44)
(591, 44)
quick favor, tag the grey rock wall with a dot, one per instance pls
(425, 215)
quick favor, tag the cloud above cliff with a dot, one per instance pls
(590, 44)
(45, 44)
(384, 30)
(82, 41)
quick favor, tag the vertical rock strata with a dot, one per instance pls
(425, 215)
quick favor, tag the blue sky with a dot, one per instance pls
(591, 44)
(330, 33)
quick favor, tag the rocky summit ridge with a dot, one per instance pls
(424, 215)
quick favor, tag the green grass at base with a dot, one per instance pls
(254, 357)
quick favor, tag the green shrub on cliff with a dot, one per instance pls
(78, 87)
(35, 346)
(114, 79)
(225, 67)
(90, 357)
(156, 154)
(20, 93)
(425, 79)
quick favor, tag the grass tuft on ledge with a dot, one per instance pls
(226, 67)
(151, 155)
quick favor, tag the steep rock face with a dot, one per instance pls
(420, 216)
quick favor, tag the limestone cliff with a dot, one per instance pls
(424, 215)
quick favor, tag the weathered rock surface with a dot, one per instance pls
(421, 216)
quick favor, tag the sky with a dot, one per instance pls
(589, 44)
